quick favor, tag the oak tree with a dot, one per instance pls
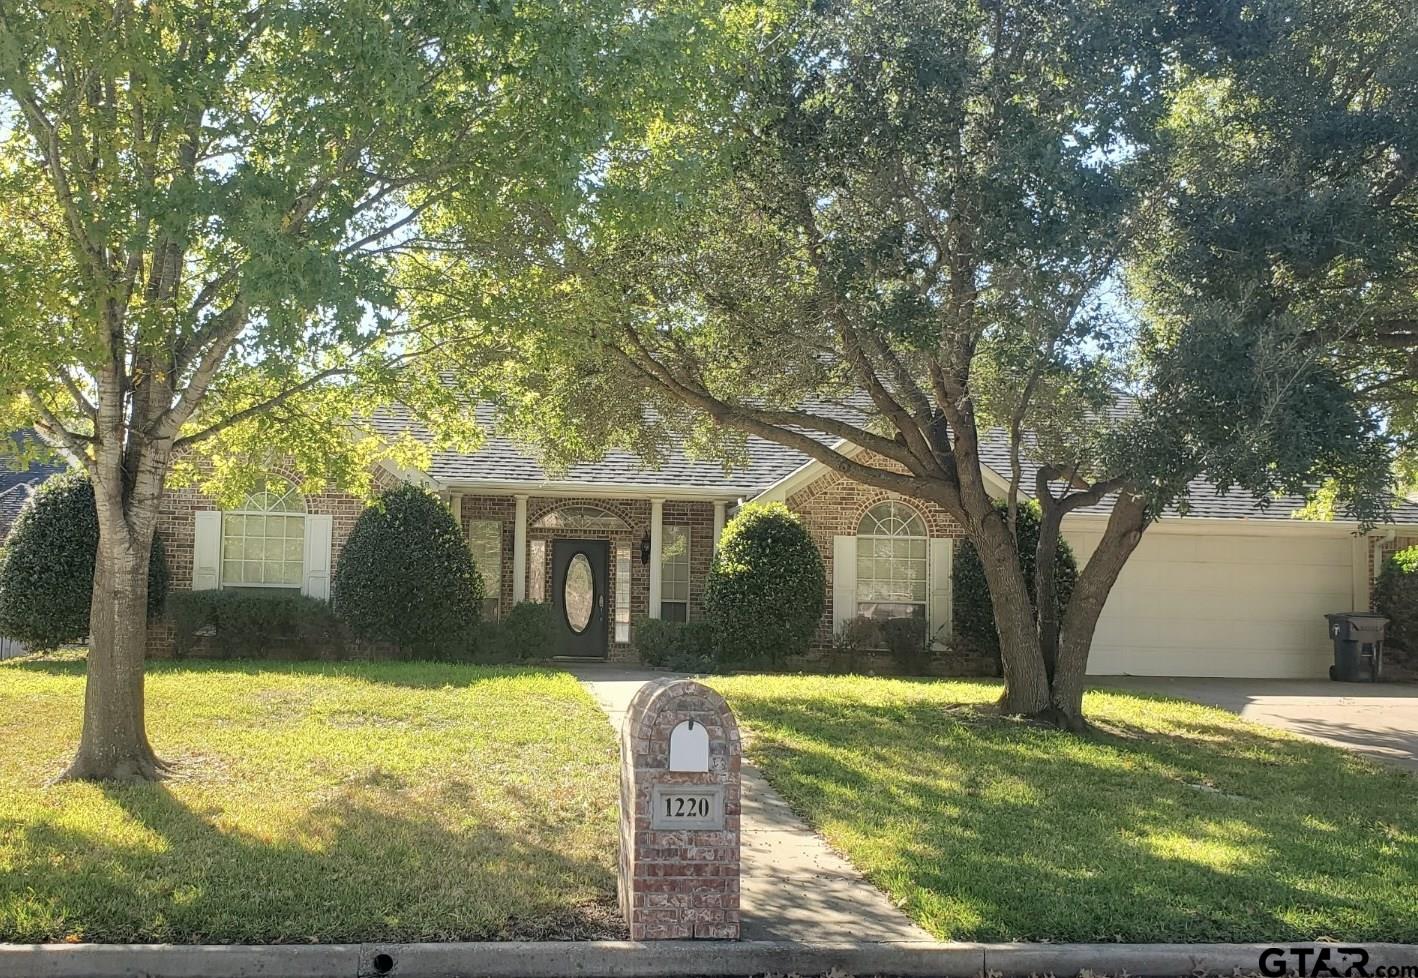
(897, 237)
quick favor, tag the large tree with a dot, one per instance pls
(1293, 153)
(202, 202)
(897, 242)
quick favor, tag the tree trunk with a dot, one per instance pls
(114, 743)
(1046, 559)
(1095, 582)
(1026, 684)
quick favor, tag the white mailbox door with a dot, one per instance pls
(689, 747)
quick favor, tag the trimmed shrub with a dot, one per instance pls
(47, 578)
(528, 631)
(974, 615)
(250, 624)
(684, 646)
(1396, 596)
(766, 587)
(905, 639)
(406, 577)
(859, 634)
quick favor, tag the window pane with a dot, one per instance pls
(622, 594)
(537, 564)
(258, 549)
(579, 593)
(891, 562)
(674, 571)
(674, 610)
(485, 543)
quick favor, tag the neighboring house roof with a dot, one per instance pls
(16, 485)
(504, 463)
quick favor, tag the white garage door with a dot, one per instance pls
(1191, 604)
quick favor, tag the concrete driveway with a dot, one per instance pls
(1380, 720)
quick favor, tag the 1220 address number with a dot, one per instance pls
(674, 807)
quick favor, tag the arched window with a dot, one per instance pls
(891, 562)
(263, 541)
(580, 517)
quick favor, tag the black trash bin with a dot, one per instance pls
(1358, 646)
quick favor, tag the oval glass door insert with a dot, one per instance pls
(580, 593)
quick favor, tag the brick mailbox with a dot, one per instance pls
(679, 813)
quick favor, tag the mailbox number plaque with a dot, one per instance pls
(674, 806)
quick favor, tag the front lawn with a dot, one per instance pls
(370, 802)
(1175, 822)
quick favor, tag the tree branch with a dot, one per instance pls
(216, 428)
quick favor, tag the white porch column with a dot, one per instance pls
(719, 507)
(519, 551)
(657, 535)
(455, 506)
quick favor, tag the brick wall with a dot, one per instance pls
(679, 883)
(502, 510)
(177, 528)
(1377, 555)
(634, 515)
(834, 505)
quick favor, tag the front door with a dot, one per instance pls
(579, 572)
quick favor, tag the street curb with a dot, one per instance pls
(628, 959)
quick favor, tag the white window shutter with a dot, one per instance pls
(319, 529)
(941, 574)
(206, 550)
(844, 580)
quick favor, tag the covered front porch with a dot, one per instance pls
(601, 561)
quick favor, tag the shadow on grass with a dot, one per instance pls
(988, 829)
(412, 673)
(356, 869)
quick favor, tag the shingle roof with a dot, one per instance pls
(503, 460)
(16, 485)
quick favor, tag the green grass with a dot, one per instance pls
(314, 803)
(1175, 822)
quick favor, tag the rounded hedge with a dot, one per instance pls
(1396, 596)
(406, 576)
(765, 590)
(974, 615)
(47, 577)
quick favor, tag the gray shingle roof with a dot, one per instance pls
(17, 484)
(502, 460)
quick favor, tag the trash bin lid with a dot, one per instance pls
(1358, 617)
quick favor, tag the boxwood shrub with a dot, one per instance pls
(974, 615)
(527, 631)
(406, 577)
(254, 624)
(684, 646)
(1396, 595)
(765, 592)
(47, 577)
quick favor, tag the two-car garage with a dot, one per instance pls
(1199, 598)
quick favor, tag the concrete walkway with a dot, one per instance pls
(793, 888)
(1379, 720)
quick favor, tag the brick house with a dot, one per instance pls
(1233, 589)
